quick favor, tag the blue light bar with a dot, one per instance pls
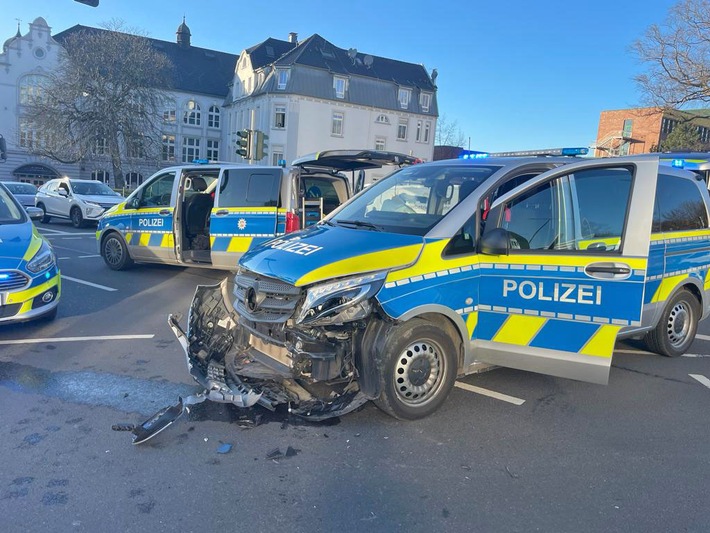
(678, 163)
(200, 161)
(575, 151)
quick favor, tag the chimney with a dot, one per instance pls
(293, 37)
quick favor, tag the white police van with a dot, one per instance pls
(534, 263)
(208, 214)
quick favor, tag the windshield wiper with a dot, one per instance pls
(359, 224)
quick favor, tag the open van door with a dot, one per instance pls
(245, 212)
(563, 262)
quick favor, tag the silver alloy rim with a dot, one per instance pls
(419, 372)
(113, 251)
(678, 326)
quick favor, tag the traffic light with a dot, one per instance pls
(244, 144)
(3, 149)
(261, 149)
(92, 3)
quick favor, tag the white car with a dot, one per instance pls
(77, 200)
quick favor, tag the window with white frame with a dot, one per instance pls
(283, 79)
(425, 102)
(279, 116)
(190, 149)
(427, 131)
(382, 119)
(402, 129)
(27, 134)
(336, 127)
(168, 149)
(100, 145)
(419, 131)
(213, 117)
(213, 149)
(277, 155)
(192, 116)
(100, 175)
(380, 143)
(340, 85)
(169, 116)
(32, 89)
(403, 97)
(133, 179)
(136, 148)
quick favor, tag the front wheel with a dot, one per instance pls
(676, 329)
(77, 219)
(418, 371)
(45, 217)
(115, 253)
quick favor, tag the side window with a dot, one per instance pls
(247, 188)
(680, 205)
(584, 211)
(159, 192)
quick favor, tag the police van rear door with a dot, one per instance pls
(246, 212)
(574, 271)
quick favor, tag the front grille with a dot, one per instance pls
(6, 311)
(262, 299)
(12, 280)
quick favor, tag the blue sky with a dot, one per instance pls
(514, 74)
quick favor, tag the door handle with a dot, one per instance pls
(164, 212)
(221, 213)
(608, 270)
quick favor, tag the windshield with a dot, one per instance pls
(414, 199)
(21, 188)
(92, 188)
(10, 211)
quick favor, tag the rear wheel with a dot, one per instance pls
(115, 253)
(77, 219)
(419, 369)
(45, 217)
(676, 329)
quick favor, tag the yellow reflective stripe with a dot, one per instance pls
(168, 241)
(249, 209)
(602, 342)
(362, 263)
(706, 285)
(610, 241)
(577, 260)
(666, 287)
(519, 329)
(679, 234)
(144, 239)
(430, 260)
(28, 294)
(34, 246)
(239, 244)
(471, 322)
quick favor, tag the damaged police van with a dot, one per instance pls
(534, 263)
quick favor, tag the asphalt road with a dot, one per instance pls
(548, 455)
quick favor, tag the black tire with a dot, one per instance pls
(677, 327)
(115, 252)
(45, 217)
(418, 370)
(77, 219)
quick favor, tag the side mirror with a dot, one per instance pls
(35, 213)
(133, 203)
(63, 192)
(495, 242)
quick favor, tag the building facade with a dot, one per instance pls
(642, 130)
(305, 97)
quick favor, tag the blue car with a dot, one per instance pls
(30, 283)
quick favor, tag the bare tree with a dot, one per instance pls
(448, 133)
(677, 56)
(104, 99)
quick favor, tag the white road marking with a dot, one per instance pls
(490, 393)
(694, 355)
(632, 351)
(85, 256)
(96, 285)
(79, 339)
(703, 337)
(702, 379)
(58, 233)
(71, 238)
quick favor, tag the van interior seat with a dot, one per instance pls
(198, 207)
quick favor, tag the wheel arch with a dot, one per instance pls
(109, 231)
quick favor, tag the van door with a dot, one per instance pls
(150, 237)
(563, 268)
(246, 212)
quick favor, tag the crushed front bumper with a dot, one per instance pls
(235, 367)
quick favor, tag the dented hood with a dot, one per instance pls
(325, 252)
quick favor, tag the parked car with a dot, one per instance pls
(30, 282)
(79, 201)
(23, 192)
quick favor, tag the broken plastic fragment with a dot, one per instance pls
(224, 448)
(158, 422)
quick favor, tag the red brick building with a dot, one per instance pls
(641, 130)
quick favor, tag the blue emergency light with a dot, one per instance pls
(4, 276)
(678, 163)
(200, 161)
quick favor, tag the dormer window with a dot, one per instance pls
(340, 85)
(403, 97)
(382, 119)
(283, 79)
(425, 102)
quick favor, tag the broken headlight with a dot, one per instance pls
(340, 301)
